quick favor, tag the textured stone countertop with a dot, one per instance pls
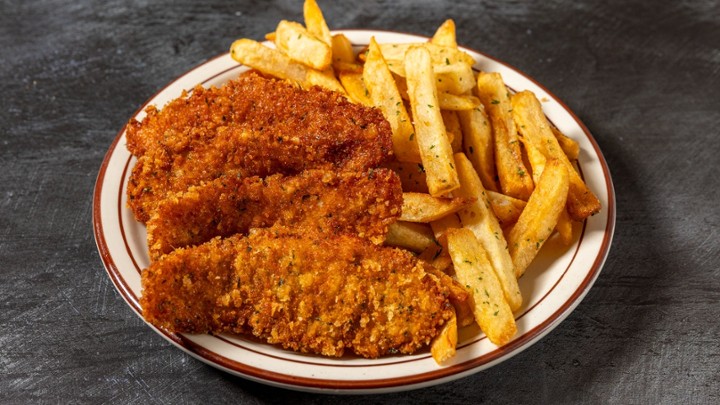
(643, 77)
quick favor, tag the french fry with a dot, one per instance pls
(315, 22)
(325, 79)
(267, 60)
(420, 207)
(540, 215)
(456, 79)
(478, 144)
(473, 269)
(440, 55)
(342, 49)
(441, 226)
(354, 85)
(449, 101)
(296, 42)
(565, 228)
(435, 149)
(412, 176)
(445, 35)
(452, 127)
(507, 209)
(568, 145)
(443, 346)
(514, 178)
(527, 111)
(481, 220)
(535, 158)
(384, 94)
(409, 235)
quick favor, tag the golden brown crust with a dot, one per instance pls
(363, 203)
(254, 126)
(306, 291)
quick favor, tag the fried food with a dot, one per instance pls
(314, 198)
(303, 290)
(254, 126)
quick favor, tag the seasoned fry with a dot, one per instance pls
(453, 129)
(355, 87)
(435, 149)
(342, 50)
(296, 42)
(456, 79)
(274, 63)
(443, 346)
(267, 60)
(473, 269)
(420, 207)
(568, 145)
(514, 178)
(565, 228)
(440, 55)
(506, 209)
(540, 215)
(412, 176)
(527, 111)
(481, 220)
(409, 235)
(535, 158)
(440, 226)
(445, 35)
(478, 144)
(384, 94)
(315, 22)
(449, 101)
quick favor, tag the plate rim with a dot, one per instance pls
(392, 384)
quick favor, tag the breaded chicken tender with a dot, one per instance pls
(252, 126)
(303, 290)
(362, 203)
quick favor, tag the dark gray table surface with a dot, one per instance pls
(644, 77)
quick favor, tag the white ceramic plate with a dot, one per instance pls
(552, 287)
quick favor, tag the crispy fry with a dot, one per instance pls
(435, 149)
(267, 60)
(540, 215)
(473, 269)
(527, 111)
(507, 209)
(535, 158)
(342, 50)
(481, 220)
(456, 79)
(568, 145)
(384, 94)
(296, 42)
(478, 144)
(565, 228)
(514, 178)
(441, 226)
(440, 55)
(452, 127)
(355, 87)
(445, 35)
(325, 79)
(420, 207)
(315, 22)
(443, 346)
(409, 235)
(449, 101)
(412, 176)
